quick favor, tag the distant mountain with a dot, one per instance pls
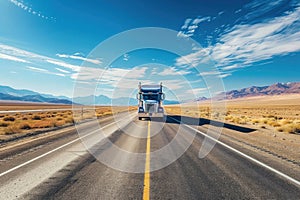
(14, 92)
(22, 92)
(9, 93)
(275, 89)
(104, 100)
(90, 100)
(34, 98)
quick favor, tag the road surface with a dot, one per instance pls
(63, 169)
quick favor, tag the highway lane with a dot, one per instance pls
(223, 174)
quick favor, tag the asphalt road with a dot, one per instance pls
(64, 169)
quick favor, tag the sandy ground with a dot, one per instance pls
(265, 138)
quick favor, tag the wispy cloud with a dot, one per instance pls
(64, 64)
(44, 71)
(12, 58)
(126, 57)
(190, 25)
(20, 53)
(79, 57)
(258, 8)
(215, 73)
(246, 44)
(172, 71)
(197, 91)
(29, 9)
(37, 69)
(251, 43)
(62, 70)
(81, 73)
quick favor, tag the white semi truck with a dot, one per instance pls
(150, 99)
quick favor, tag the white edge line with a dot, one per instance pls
(53, 150)
(246, 156)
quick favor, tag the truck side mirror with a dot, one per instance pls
(138, 96)
(163, 96)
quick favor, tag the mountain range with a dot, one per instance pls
(9, 93)
(275, 89)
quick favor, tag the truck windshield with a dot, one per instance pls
(150, 97)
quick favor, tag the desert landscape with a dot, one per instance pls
(275, 121)
(15, 124)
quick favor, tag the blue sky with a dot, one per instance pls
(45, 45)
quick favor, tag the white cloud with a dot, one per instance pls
(246, 44)
(13, 51)
(190, 25)
(79, 57)
(64, 64)
(29, 9)
(197, 91)
(37, 69)
(44, 71)
(215, 73)
(126, 57)
(210, 73)
(172, 71)
(224, 75)
(257, 8)
(194, 59)
(12, 58)
(62, 70)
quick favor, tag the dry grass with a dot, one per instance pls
(15, 123)
(278, 114)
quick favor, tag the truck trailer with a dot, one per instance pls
(150, 99)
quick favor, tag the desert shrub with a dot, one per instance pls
(9, 118)
(255, 121)
(4, 124)
(43, 124)
(274, 123)
(36, 117)
(264, 121)
(285, 122)
(11, 130)
(291, 128)
(59, 118)
(280, 129)
(70, 120)
(24, 126)
(271, 116)
(59, 123)
(1, 116)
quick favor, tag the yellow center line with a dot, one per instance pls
(146, 194)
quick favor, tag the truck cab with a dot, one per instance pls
(150, 99)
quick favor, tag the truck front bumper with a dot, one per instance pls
(141, 115)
